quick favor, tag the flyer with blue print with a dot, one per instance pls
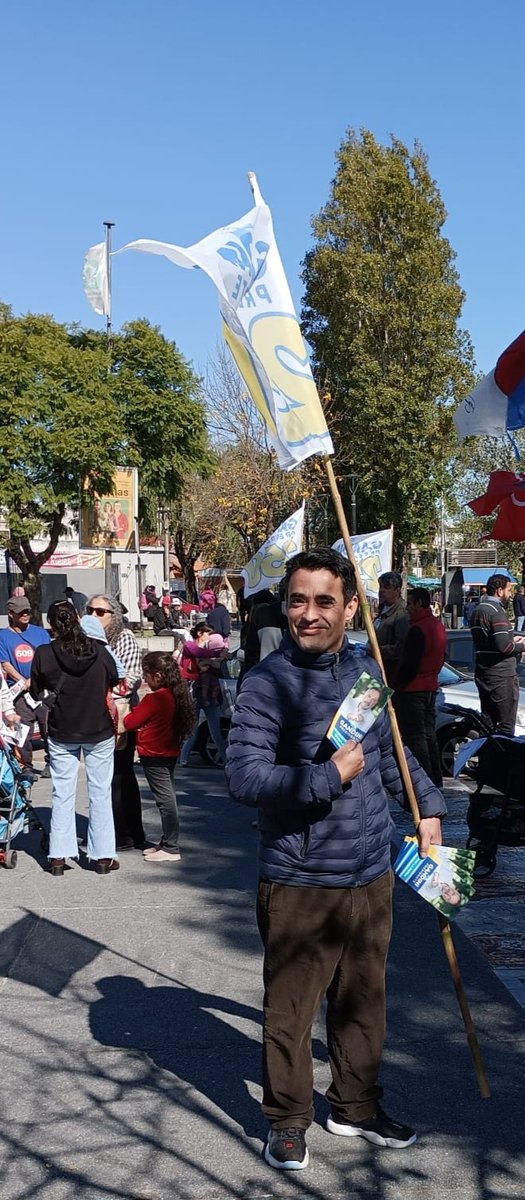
(360, 708)
(445, 877)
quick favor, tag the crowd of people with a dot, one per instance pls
(81, 682)
(324, 901)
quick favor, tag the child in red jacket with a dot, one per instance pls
(162, 719)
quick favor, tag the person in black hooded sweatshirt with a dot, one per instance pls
(77, 673)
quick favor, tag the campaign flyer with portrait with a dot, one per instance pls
(360, 708)
(444, 877)
(108, 521)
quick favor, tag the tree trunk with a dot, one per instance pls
(33, 590)
(30, 561)
(190, 580)
(30, 579)
(187, 558)
(401, 554)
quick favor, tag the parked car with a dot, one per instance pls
(460, 652)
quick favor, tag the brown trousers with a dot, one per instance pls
(323, 941)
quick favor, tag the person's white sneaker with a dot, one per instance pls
(379, 1129)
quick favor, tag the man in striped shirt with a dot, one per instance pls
(498, 650)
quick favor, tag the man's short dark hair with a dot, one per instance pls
(324, 559)
(420, 595)
(496, 581)
(392, 579)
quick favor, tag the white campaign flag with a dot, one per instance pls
(95, 275)
(373, 555)
(496, 407)
(268, 566)
(484, 411)
(261, 328)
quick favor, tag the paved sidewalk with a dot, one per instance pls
(130, 1016)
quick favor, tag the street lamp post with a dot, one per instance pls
(353, 483)
(317, 507)
(164, 530)
(323, 502)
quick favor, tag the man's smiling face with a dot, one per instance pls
(317, 611)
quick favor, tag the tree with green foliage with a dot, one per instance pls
(58, 420)
(381, 310)
(159, 400)
(68, 413)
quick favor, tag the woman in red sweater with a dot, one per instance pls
(162, 720)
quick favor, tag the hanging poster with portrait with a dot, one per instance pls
(108, 520)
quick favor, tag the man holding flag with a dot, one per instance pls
(325, 882)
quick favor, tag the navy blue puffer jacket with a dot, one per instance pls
(314, 830)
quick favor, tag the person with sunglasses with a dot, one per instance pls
(125, 794)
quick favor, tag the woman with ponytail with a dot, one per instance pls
(77, 673)
(163, 719)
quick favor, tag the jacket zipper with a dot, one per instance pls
(357, 781)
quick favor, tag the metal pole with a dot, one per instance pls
(139, 570)
(8, 577)
(108, 582)
(109, 225)
(442, 537)
(167, 549)
(353, 479)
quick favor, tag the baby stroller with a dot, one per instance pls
(497, 820)
(16, 811)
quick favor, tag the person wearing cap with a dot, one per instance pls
(392, 623)
(17, 650)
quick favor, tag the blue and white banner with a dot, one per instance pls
(268, 566)
(373, 555)
(260, 326)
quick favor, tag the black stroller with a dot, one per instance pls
(16, 812)
(497, 820)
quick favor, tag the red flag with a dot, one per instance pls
(506, 490)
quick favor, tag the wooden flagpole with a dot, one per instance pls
(446, 931)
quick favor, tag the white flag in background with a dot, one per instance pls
(95, 275)
(373, 555)
(268, 566)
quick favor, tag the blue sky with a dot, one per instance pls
(150, 115)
